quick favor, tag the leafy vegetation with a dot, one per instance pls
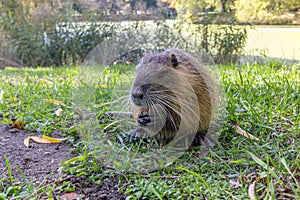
(262, 99)
(41, 33)
(61, 40)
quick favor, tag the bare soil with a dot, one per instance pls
(40, 164)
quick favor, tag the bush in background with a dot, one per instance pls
(44, 35)
(252, 11)
(225, 43)
(48, 34)
(213, 44)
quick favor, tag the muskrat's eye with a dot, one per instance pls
(145, 87)
(173, 60)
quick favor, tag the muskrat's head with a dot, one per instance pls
(170, 88)
(155, 79)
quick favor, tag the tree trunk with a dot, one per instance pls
(223, 5)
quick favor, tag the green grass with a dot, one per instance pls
(263, 100)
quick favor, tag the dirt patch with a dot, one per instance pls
(41, 162)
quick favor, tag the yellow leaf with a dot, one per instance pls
(55, 102)
(42, 140)
(53, 140)
(103, 86)
(35, 139)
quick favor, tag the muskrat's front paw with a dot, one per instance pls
(144, 119)
(137, 134)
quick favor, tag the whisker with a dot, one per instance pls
(167, 112)
(178, 111)
(182, 103)
(123, 103)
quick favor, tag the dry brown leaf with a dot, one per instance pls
(251, 190)
(36, 139)
(242, 132)
(42, 140)
(26, 142)
(70, 196)
(235, 184)
(19, 125)
(55, 102)
(58, 112)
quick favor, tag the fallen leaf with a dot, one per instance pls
(42, 140)
(35, 139)
(54, 140)
(55, 102)
(58, 112)
(251, 190)
(19, 125)
(235, 184)
(103, 86)
(70, 196)
(242, 132)
(26, 142)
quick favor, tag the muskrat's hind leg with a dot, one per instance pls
(203, 139)
(199, 138)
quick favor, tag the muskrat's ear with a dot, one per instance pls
(173, 60)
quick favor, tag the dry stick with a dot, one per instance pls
(164, 177)
(124, 54)
(240, 131)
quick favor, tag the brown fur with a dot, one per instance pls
(175, 70)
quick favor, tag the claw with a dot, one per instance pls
(137, 134)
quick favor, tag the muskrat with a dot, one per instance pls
(173, 94)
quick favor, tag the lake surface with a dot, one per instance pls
(274, 41)
(271, 41)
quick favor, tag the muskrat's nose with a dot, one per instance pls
(138, 95)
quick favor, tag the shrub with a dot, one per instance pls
(215, 44)
(251, 11)
(45, 36)
(224, 43)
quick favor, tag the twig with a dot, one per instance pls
(122, 55)
(163, 177)
(240, 131)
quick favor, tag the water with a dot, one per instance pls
(274, 41)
